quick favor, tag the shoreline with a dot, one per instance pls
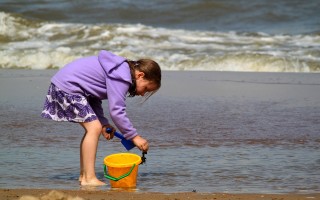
(48, 194)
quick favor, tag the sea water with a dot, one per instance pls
(242, 35)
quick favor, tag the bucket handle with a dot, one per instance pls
(120, 177)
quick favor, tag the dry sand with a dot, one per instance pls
(44, 194)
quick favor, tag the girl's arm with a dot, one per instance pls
(117, 91)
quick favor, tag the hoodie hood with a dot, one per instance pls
(115, 66)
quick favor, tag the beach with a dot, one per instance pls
(237, 116)
(213, 135)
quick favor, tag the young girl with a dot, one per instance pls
(76, 92)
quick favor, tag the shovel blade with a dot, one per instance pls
(128, 144)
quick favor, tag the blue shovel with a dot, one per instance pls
(128, 144)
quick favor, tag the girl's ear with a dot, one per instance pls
(139, 74)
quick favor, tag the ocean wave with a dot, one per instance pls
(35, 44)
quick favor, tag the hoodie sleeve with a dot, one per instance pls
(118, 81)
(117, 90)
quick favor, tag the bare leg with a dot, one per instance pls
(81, 159)
(88, 151)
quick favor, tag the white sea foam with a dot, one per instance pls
(40, 45)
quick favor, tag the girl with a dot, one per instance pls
(76, 92)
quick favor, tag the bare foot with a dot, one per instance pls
(91, 182)
(80, 178)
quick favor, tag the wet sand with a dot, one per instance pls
(44, 194)
(33, 84)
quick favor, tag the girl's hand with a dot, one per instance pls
(106, 135)
(141, 143)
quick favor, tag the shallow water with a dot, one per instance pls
(241, 132)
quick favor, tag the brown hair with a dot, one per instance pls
(151, 70)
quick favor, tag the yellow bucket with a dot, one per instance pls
(122, 169)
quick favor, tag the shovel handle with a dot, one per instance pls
(118, 135)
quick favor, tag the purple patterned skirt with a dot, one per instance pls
(61, 106)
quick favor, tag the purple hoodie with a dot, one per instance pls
(106, 76)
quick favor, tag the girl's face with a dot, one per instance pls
(143, 85)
